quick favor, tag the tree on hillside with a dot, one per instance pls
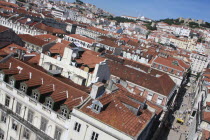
(79, 2)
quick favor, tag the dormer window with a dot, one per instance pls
(64, 112)
(166, 69)
(96, 107)
(149, 96)
(159, 100)
(160, 67)
(23, 88)
(35, 95)
(49, 104)
(11, 82)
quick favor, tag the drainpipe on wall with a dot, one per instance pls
(23, 118)
(85, 132)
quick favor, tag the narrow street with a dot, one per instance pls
(176, 125)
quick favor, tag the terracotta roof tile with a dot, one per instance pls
(3, 28)
(42, 80)
(32, 39)
(11, 71)
(206, 116)
(122, 118)
(82, 38)
(20, 77)
(163, 84)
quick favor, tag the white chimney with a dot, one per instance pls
(42, 81)
(30, 75)
(59, 40)
(10, 64)
(97, 90)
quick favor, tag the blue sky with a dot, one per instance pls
(156, 9)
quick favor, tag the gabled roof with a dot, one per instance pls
(33, 40)
(42, 82)
(3, 28)
(181, 66)
(49, 29)
(109, 43)
(162, 85)
(58, 48)
(116, 114)
(12, 48)
(90, 58)
(82, 38)
(8, 4)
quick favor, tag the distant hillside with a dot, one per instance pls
(190, 24)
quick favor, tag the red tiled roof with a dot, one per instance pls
(12, 48)
(35, 59)
(90, 58)
(42, 79)
(3, 28)
(8, 4)
(208, 104)
(205, 135)
(97, 30)
(169, 63)
(163, 84)
(6, 8)
(82, 38)
(11, 71)
(109, 43)
(32, 39)
(20, 77)
(118, 116)
(58, 48)
(206, 116)
(4, 66)
(48, 37)
(46, 89)
(33, 83)
(49, 29)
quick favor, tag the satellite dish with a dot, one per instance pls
(74, 55)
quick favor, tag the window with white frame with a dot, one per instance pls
(96, 107)
(77, 126)
(14, 125)
(1, 76)
(49, 104)
(11, 82)
(7, 101)
(149, 96)
(18, 108)
(94, 136)
(3, 117)
(30, 116)
(58, 133)
(35, 95)
(43, 124)
(23, 88)
(26, 133)
(159, 100)
(64, 112)
(160, 67)
(1, 134)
